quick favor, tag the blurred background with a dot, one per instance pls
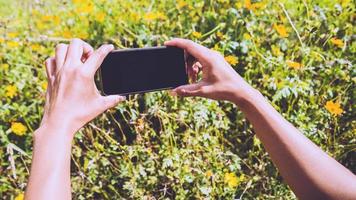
(299, 54)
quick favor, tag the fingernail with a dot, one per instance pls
(110, 46)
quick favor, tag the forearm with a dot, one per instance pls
(50, 170)
(309, 171)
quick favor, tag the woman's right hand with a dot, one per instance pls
(219, 80)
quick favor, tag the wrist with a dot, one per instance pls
(58, 131)
(245, 96)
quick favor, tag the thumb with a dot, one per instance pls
(111, 101)
(189, 90)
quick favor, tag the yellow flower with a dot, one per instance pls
(196, 34)
(333, 108)
(18, 128)
(345, 3)
(238, 5)
(83, 35)
(2, 40)
(40, 25)
(12, 35)
(258, 5)
(140, 125)
(35, 12)
(231, 180)
(20, 196)
(35, 47)
(79, 1)
(232, 60)
(209, 173)
(337, 42)
(216, 48)
(276, 51)
(5, 66)
(67, 34)
(281, 29)
(84, 8)
(135, 17)
(181, 4)
(44, 85)
(46, 18)
(100, 17)
(247, 36)
(151, 16)
(10, 91)
(224, 1)
(13, 44)
(294, 65)
(248, 4)
(220, 35)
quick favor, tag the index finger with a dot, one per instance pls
(94, 61)
(77, 50)
(200, 52)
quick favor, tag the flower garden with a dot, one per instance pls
(299, 54)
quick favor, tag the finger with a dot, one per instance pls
(95, 60)
(78, 49)
(189, 90)
(50, 68)
(88, 51)
(198, 51)
(195, 69)
(111, 101)
(61, 52)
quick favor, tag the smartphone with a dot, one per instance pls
(140, 70)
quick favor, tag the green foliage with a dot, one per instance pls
(164, 147)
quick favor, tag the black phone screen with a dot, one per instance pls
(142, 70)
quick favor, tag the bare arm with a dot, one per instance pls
(310, 172)
(72, 100)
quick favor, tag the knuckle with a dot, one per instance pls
(84, 73)
(60, 45)
(69, 70)
(76, 40)
(101, 52)
(189, 43)
(204, 90)
(47, 61)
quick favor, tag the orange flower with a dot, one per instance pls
(281, 30)
(253, 6)
(35, 47)
(248, 4)
(209, 173)
(67, 34)
(333, 108)
(100, 17)
(294, 65)
(181, 4)
(337, 42)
